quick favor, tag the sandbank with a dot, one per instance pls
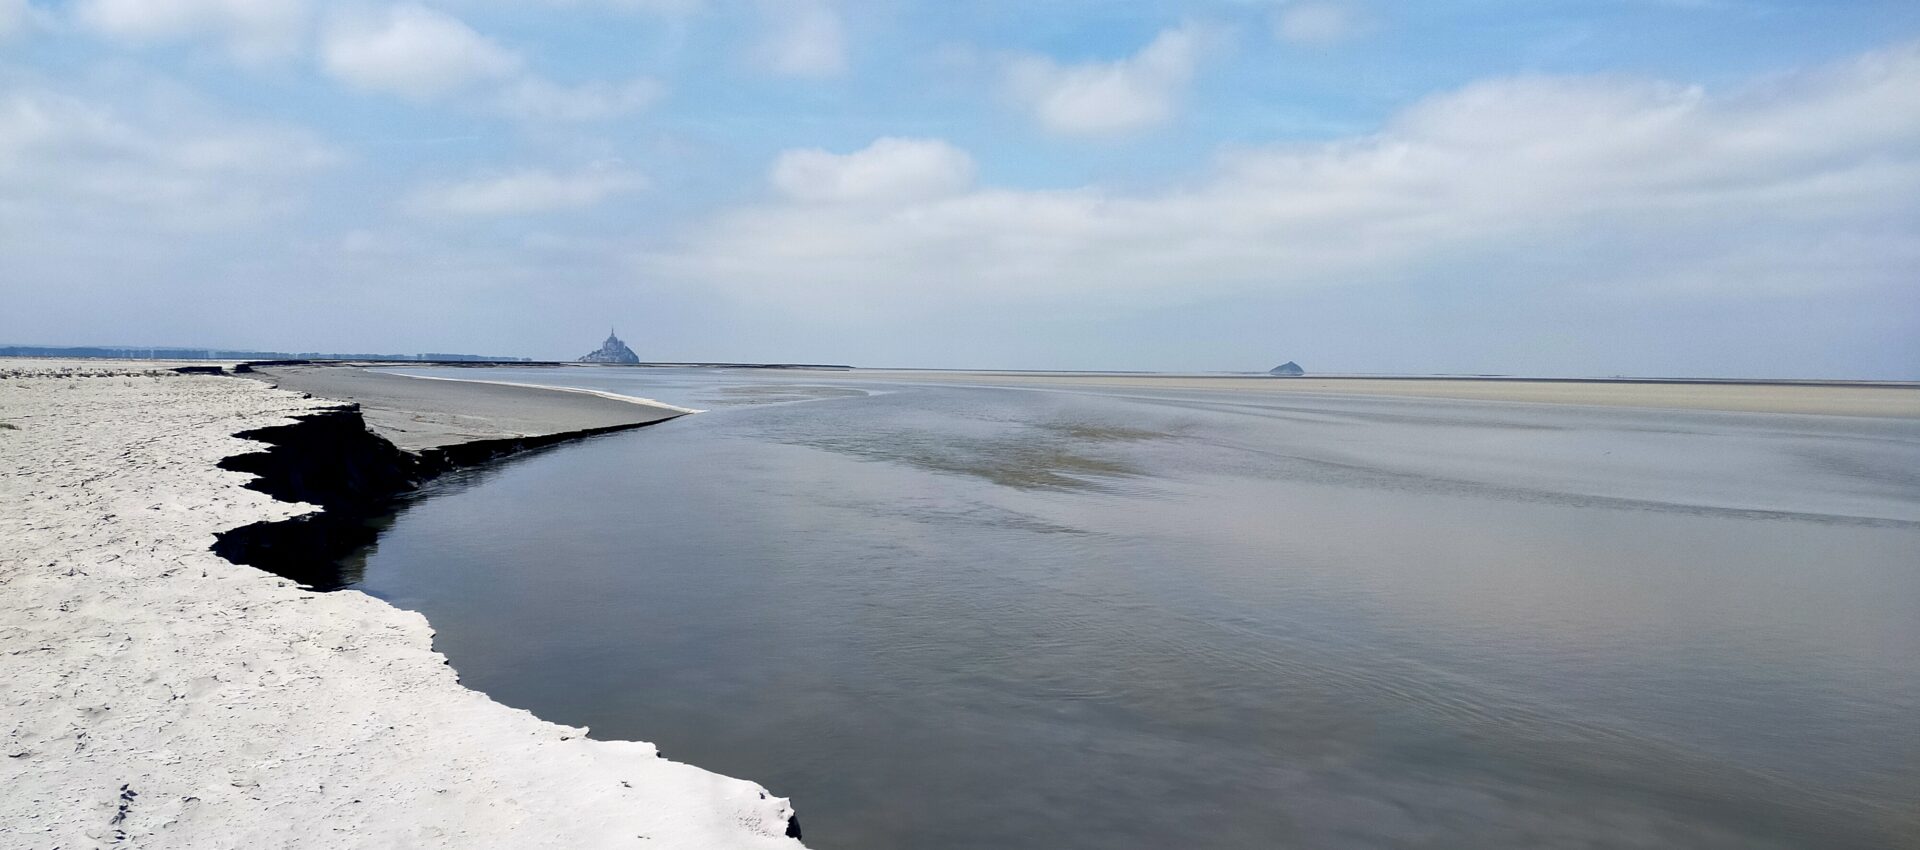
(417, 414)
(157, 695)
(1830, 398)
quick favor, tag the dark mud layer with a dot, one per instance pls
(328, 459)
(332, 460)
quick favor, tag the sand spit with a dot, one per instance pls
(1802, 397)
(420, 415)
(157, 695)
(630, 399)
(358, 461)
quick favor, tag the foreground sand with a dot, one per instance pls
(156, 695)
(1831, 399)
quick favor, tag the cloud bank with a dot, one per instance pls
(70, 165)
(1798, 183)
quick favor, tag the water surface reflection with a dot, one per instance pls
(951, 617)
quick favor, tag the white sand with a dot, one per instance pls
(156, 695)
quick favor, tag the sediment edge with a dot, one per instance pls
(331, 459)
(169, 697)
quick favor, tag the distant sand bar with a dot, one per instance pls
(1820, 398)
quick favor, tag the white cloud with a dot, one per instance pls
(1535, 182)
(534, 99)
(1315, 23)
(422, 54)
(251, 30)
(806, 38)
(70, 164)
(414, 52)
(1106, 98)
(523, 192)
(890, 169)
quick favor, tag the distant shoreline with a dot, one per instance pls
(1896, 399)
(484, 362)
(1334, 376)
(1815, 397)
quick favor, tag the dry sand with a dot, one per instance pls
(159, 696)
(1834, 399)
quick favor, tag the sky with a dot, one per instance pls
(1725, 188)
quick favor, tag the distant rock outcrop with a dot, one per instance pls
(1288, 369)
(612, 351)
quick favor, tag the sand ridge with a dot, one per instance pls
(160, 696)
(417, 414)
(1834, 398)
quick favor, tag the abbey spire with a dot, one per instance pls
(612, 351)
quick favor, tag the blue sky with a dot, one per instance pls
(1653, 187)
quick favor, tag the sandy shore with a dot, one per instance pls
(157, 695)
(1830, 399)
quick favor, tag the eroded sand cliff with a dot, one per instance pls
(158, 695)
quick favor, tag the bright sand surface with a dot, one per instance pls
(1835, 398)
(426, 413)
(156, 695)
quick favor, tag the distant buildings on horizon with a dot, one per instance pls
(611, 351)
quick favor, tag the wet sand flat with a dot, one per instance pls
(1833, 399)
(417, 414)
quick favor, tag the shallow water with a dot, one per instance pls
(943, 616)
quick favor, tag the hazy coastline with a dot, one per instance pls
(1831, 398)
